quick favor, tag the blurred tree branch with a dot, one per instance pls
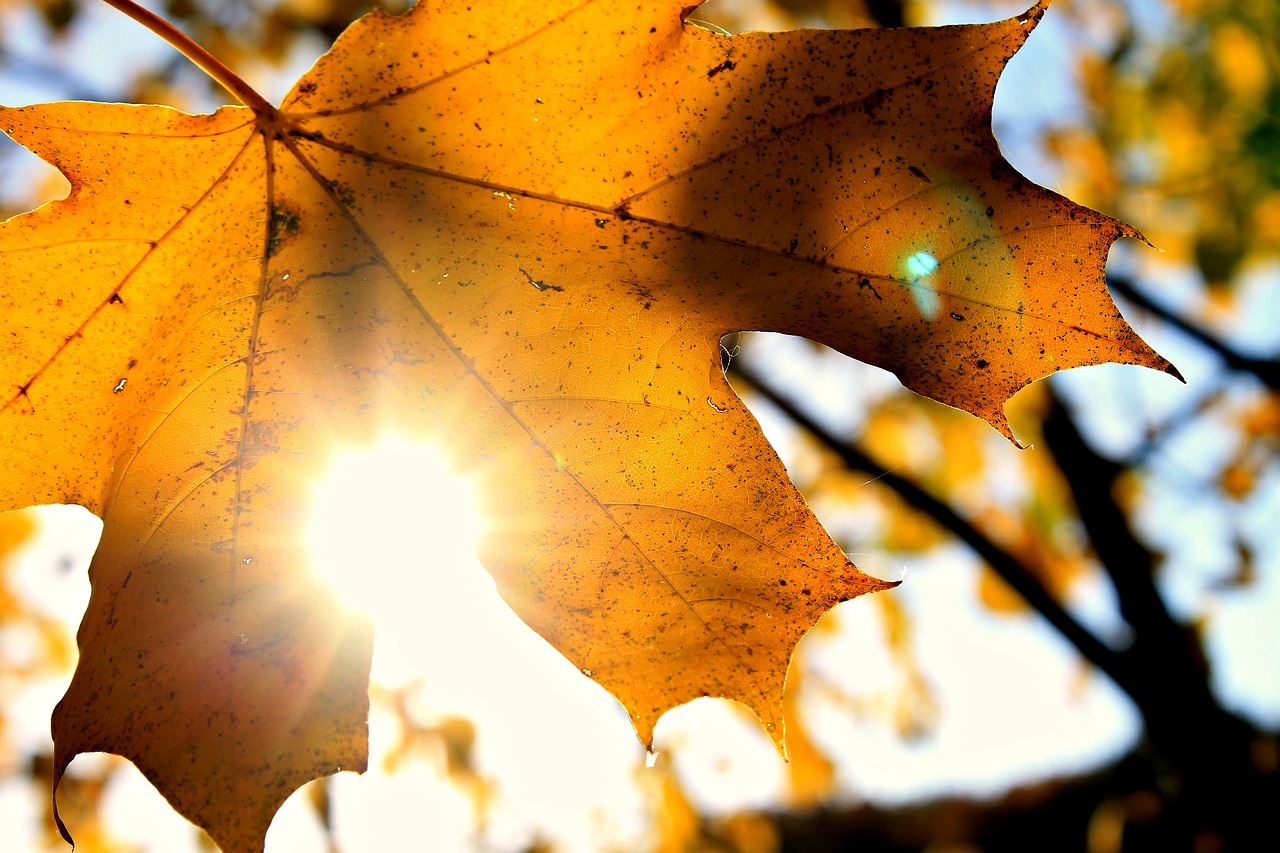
(1268, 370)
(1010, 570)
(1203, 759)
(1212, 784)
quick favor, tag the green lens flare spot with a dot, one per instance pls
(921, 264)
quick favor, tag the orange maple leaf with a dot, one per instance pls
(520, 232)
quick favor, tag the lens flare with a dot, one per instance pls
(920, 266)
(390, 524)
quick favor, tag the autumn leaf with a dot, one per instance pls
(520, 232)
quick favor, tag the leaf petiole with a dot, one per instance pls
(207, 62)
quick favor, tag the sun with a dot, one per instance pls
(394, 527)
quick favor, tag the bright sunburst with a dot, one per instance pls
(393, 528)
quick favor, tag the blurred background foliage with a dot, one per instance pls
(1143, 527)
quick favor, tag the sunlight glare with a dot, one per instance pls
(393, 527)
(395, 531)
(921, 264)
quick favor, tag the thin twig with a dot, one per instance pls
(207, 62)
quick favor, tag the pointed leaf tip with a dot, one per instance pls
(1033, 15)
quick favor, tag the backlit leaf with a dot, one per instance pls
(520, 231)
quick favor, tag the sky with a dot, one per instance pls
(1014, 703)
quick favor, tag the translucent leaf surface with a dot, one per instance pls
(519, 231)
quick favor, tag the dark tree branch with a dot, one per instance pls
(1025, 583)
(1158, 638)
(1202, 757)
(1266, 370)
(1218, 789)
(886, 13)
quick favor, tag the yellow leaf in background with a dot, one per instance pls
(1241, 61)
(997, 596)
(1238, 479)
(811, 775)
(907, 528)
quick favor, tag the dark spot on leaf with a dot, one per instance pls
(983, 364)
(871, 103)
(283, 226)
(342, 192)
(541, 285)
(919, 173)
(727, 65)
(955, 316)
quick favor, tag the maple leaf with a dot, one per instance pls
(520, 232)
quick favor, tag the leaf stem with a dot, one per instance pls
(207, 62)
